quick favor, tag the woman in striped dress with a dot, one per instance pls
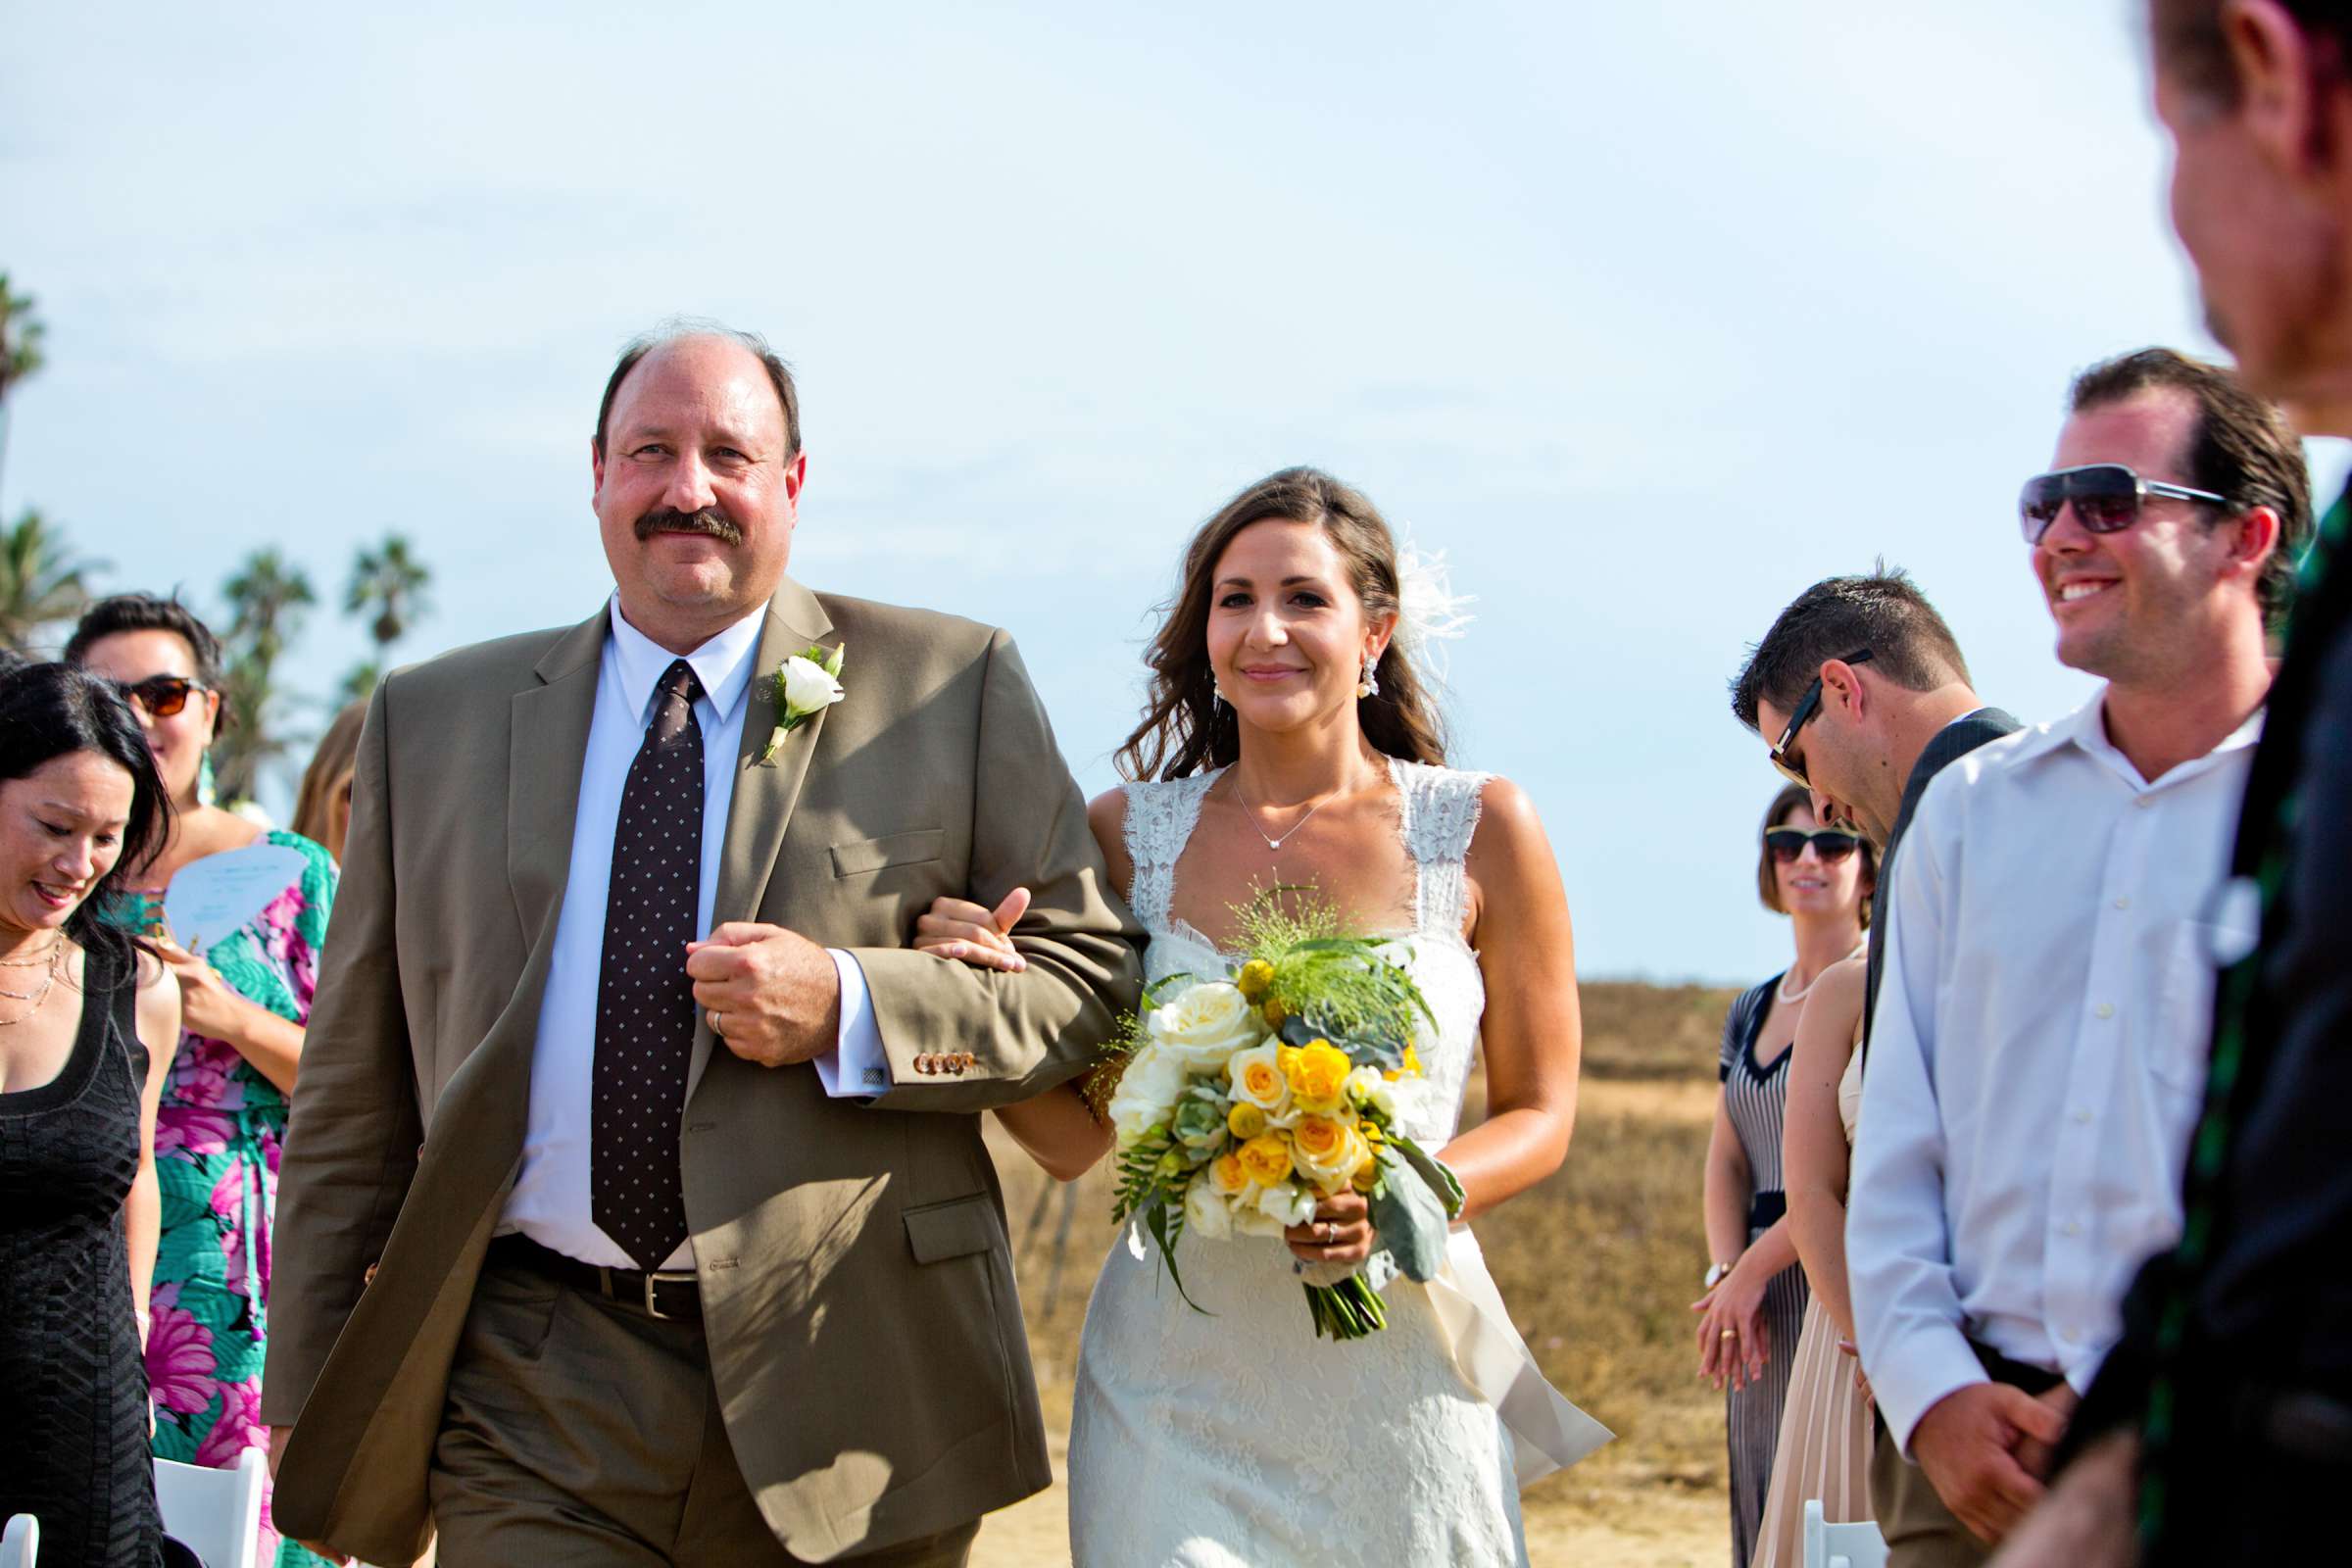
(1754, 1305)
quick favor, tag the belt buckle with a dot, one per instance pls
(653, 1278)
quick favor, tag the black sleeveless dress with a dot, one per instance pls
(73, 1437)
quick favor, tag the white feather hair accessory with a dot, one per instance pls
(1429, 611)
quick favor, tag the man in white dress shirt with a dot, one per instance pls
(2038, 1053)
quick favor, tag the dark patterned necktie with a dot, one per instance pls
(643, 1000)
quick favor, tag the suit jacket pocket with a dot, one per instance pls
(898, 848)
(957, 1228)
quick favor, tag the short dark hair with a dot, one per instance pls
(2244, 449)
(54, 710)
(2190, 48)
(1839, 617)
(1768, 884)
(121, 612)
(779, 373)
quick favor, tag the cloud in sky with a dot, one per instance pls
(1647, 316)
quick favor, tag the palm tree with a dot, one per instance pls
(388, 582)
(266, 598)
(41, 581)
(361, 683)
(21, 333)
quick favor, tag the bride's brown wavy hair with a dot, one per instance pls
(1184, 729)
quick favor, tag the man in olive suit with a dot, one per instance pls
(635, 1208)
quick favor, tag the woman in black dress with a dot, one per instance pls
(87, 1024)
(1754, 1306)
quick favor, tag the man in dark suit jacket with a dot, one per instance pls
(1860, 690)
(2220, 1429)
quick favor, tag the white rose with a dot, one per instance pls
(1287, 1204)
(1204, 1210)
(1206, 1025)
(1248, 1219)
(808, 686)
(1147, 1092)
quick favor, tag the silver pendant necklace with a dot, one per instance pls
(1251, 811)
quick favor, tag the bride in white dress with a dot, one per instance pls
(1289, 741)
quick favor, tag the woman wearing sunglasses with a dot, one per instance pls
(245, 1001)
(1754, 1305)
(87, 1027)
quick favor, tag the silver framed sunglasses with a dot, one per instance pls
(2106, 497)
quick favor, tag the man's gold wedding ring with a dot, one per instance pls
(1731, 1334)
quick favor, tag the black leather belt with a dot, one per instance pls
(661, 1293)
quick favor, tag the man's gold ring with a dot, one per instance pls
(1731, 1334)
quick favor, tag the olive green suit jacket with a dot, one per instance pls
(857, 1283)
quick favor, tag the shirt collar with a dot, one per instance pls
(2086, 728)
(723, 664)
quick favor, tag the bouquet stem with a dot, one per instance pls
(1347, 1310)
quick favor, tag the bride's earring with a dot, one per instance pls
(1369, 686)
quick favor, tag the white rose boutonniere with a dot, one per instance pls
(805, 685)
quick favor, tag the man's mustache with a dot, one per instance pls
(709, 520)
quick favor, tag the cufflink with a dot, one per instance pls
(876, 1078)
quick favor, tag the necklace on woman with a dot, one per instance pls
(1251, 811)
(55, 959)
(1799, 994)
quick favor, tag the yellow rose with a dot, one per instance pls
(1367, 1174)
(1321, 1147)
(1318, 1075)
(1229, 1175)
(1256, 1077)
(1245, 1120)
(1267, 1158)
(1256, 976)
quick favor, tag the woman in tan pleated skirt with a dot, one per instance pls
(1825, 1440)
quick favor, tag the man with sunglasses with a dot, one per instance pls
(1862, 690)
(2219, 1428)
(2040, 1035)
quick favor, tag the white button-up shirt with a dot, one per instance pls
(2037, 1056)
(550, 1202)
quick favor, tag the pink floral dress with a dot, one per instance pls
(217, 1140)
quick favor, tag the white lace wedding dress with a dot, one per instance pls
(1242, 1441)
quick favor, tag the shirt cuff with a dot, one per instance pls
(856, 1067)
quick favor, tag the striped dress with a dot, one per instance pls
(1755, 1099)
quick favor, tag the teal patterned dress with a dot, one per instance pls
(216, 1141)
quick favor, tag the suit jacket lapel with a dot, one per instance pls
(547, 733)
(764, 796)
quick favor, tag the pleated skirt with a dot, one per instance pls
(1824, 1448)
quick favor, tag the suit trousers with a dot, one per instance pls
(1920, 1530)
(585, 1433)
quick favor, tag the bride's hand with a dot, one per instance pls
(969, 933)
(1340, 1233)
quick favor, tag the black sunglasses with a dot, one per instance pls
(1793, 769)
(1832, 844)
(2106, 497)
(161, 696)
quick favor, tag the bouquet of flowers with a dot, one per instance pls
(1239, 1102)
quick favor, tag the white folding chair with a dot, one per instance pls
(1829, 1546)
(21, 1542)
(216, 1513)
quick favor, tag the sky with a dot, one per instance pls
(1644, 316)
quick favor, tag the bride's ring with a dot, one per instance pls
(1328, 1232)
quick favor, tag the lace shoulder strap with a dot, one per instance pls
(1160, 814)
(1441, 818)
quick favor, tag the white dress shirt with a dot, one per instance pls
(2037, 1056)
(550, 1202)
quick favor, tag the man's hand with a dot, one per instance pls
(2037, 1455)
(1967, 1444)
(774, 996)
(2086, 1522)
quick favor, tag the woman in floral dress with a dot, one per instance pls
(223, 1114)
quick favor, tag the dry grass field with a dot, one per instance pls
(1598, 1265)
